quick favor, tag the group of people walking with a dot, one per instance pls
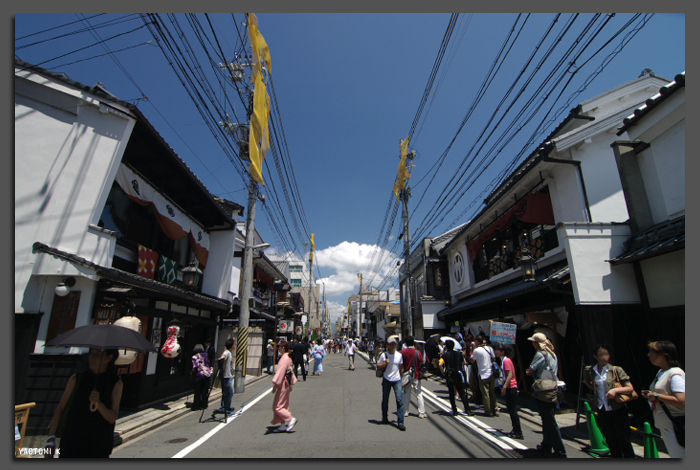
(90, 434)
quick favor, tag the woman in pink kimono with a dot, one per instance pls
(282, 384)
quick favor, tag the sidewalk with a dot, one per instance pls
(132, 424)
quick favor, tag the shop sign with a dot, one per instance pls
(454, 329)
(503, 332)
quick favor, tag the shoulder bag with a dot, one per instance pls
(406, 376)
(380, 372)
(678, 425)
(622, 397)
(546, 387)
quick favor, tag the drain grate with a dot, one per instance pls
(177, 441)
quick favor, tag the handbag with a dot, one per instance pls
(678, 425)
(546, 387)
(622, 397)
(288, 376)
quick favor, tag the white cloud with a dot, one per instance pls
(348, 259)
(335, 309)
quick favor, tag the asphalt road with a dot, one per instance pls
(339, 416)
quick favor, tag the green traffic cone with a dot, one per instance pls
(650, 451)
(598, 444)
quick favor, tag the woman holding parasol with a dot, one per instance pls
(89, 407)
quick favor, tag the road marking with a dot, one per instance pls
(482, 429)
(206, 437)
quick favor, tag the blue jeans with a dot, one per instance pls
(226, 393)
(398, 393)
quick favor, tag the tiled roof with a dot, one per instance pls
(653, 102)
(657, 240)
(511, 290)
(134, 279)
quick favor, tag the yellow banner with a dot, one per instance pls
(400, 184)
(259, 128)
(261, 51)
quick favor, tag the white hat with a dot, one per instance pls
(269, 341)
(392, 339)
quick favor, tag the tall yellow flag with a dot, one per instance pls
(400, 184)
(313, 247)
(259, 141)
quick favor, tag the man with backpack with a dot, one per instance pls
(484, 357)
(413, 364)
(451, 364)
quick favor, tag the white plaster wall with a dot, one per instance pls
(66, 153)
(600, 175)
(664, 278)
(594, 280)
(457, 288)
(430, 311)
(663, 171)
(216, 280)
(46, 294)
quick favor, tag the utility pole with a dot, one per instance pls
(311, 277)
(358, 315)
(405, 194)
(246, 286)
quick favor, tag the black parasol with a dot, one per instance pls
(103, 337)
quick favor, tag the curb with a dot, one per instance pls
(129, 433)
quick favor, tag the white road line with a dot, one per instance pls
(482, 429)
(204, 438)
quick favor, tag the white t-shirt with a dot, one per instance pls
(351, 349)
(392, 372)
(483, 361)
(270, 350)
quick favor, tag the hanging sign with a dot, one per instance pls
(503, 332)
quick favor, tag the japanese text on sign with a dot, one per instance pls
(503, 332)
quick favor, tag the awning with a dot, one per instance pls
(655, 241)
(512, 290)
(134, 280)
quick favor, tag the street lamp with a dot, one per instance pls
(63, 287)
(191, 275)
(527, 264)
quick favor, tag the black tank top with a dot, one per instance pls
(87, 433)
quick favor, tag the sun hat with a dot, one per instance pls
(543, 341)
(269, 341)
(539, 337)
(392, 339)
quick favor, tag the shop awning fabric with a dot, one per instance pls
(511, 290)
(130, 279)
(175, 224)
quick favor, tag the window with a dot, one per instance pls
(296, 268)
(296, 282)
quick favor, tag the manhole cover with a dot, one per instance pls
(177, 441)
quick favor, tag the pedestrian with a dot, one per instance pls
(298, 351)
(450, 365)
(370, 351)
(307, 353)
(413, 364)
(441, 348)
(392, 363)
(545, 359)
(270, 356)
(510, 391)
(666, 395)
(484, 356)
(318, 353)
(282, 384)
(350, 351)
(611, 416)
(226, 364)
(85, 433)
(210, 351)
(202, 372)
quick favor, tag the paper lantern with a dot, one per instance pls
(126, 356)
(171, 348)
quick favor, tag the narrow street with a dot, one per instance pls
(339, 417)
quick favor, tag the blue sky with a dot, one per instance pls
(348, 87)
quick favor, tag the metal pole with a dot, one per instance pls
(311, 277)
(246, 286)
(359, 309)
(405, 194)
